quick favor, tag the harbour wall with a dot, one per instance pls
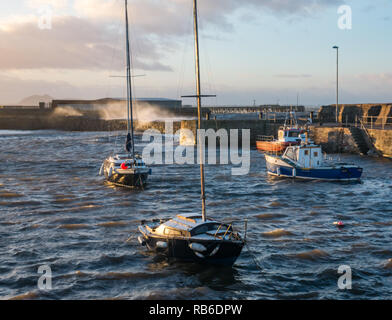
(380, 114)
(341, 140)
(256, 128)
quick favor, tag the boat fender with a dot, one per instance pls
(215, 251)
(199, 255)
(110, 173)
(161, 245)
(278, 172)
(294, 172)
(141, 240)
(101, 169)
(197, 247)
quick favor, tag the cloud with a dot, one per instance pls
(293, 76)
(385, 77)
(13, 89)
(72, 43)
(56, 4)
(86, 39)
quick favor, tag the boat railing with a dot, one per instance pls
(232, 234)
(265, 138)
(374, 122)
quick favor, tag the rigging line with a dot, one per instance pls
(114, 51)
(186, 46)
(130, 133)
(133, 59)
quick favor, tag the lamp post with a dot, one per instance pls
(337, 82)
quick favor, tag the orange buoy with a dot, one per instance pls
(339, 224)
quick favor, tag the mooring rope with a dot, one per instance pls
(255, 260)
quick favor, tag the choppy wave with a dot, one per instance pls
(277, 233)
(55, 210)
(312, 254)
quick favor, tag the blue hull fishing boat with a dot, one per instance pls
(306, 162)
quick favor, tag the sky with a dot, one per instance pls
(252, 51)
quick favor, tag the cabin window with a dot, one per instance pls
(204, 228)
(293, 134)
(315, 154)
(173, 232)
(200, 230)
(306, 152)
(291, 154)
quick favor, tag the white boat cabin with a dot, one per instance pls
(120, 159)
(289, 134)
(305, 156)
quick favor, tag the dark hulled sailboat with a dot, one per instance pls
(127, 169)
(193, 237)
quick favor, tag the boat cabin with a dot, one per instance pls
(121, 160)
(305, 156)
(189, 225)
(289, 134)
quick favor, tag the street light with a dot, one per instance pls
(337, 82)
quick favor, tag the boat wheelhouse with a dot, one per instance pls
(287, 136)
(306, 161)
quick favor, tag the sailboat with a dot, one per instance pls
(193, 237)
(128, 168)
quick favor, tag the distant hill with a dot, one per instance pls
(35, 100)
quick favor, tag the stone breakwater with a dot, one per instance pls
(341, 140)
(379, 114)
(332, 139)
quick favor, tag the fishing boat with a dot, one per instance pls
(193, 237)
(288, 135)
(306, 161)
(127, 169)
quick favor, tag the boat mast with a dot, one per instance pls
(130, 146)
(199, 112)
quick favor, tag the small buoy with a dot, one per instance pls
(339, 224)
